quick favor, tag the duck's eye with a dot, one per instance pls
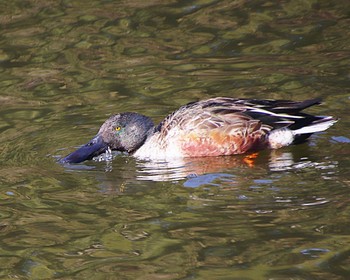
(117, 128)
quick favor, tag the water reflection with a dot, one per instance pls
(187, 167)
(202, 170)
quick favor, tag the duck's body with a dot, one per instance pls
(213, 127)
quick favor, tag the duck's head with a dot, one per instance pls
(125, 132)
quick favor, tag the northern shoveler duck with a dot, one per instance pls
(212, 127)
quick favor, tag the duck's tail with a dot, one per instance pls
(286, 136)
(319, 125)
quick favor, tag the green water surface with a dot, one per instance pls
(65, 66)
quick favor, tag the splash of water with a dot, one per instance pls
(107, 156)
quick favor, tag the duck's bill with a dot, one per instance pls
(93, 148)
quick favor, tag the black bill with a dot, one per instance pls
(93, 148)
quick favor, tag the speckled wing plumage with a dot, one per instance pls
(218, 126)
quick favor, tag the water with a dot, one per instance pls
(67, 65)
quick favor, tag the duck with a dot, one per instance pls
(219, 126)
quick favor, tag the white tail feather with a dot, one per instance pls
(316, 127)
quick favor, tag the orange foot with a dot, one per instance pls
(249, 159)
